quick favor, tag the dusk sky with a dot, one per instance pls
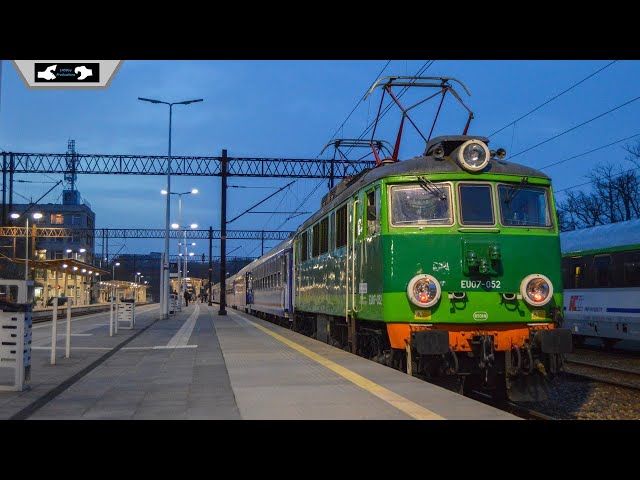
(291, 109)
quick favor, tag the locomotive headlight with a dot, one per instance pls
(424, 290)
(473, 155)
(536, 290)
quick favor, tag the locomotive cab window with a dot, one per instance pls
(424, 204)
(524, 206)
(476, 204)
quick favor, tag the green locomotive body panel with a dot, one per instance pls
(386, 261)
(441, 255)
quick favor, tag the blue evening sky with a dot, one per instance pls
(292, 109)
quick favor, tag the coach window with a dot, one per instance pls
(616, 269)
(373, 211)
(567, 276)
(602, 271)
(632, 269)
(341, 226)
(577, 274)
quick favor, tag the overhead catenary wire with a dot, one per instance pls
(305, 200)
(587, 183)
(332, 137)
(420, 71)
(553, 98)
(575, 127)
(358, 103)
(247, 186)
(425, 66)
(277, 206)
(590, 151)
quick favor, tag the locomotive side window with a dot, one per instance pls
(332, 232)
(324, 235)
(304, 247)
(341, 227)
(476, 204)
(373, 212)
(315, 245)
(524, 206)
(428, 204)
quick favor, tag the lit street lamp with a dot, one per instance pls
(182, 287)
(36, 216)
(179, 226)
(164, 295)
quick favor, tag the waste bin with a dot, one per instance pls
(16, 304)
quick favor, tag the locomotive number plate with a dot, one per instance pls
(484, 284)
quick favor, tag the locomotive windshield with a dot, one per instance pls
(476, 206)
(524, 206)
(421, 205)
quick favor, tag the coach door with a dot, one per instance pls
(249, 290)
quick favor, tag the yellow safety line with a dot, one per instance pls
(404, 405)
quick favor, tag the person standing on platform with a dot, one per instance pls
(186, 298)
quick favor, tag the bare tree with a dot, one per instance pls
(580, 210)
(614, 197)
(634, 153)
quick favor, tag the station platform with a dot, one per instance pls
(200, 365)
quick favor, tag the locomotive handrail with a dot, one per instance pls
(354, 234)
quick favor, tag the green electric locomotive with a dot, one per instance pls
(446, 265)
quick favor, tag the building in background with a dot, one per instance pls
(80, 247)
(148, 265)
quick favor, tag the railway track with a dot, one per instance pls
(45, 316)
(513, 408)
(621, 377)
(62, 313)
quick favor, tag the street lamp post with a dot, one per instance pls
(36, 216)
(113, 276)
(164, 295)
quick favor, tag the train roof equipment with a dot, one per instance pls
(443, 84)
